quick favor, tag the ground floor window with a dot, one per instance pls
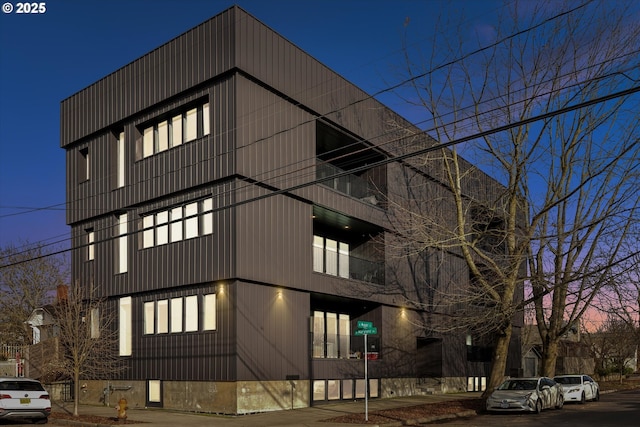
(347, 389)
(154, 393)
(476, 383)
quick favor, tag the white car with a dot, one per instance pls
(23, 398)
(579, 388)
(527, 395)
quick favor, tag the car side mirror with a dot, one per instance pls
(545, 387)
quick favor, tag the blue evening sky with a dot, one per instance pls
(45, 58)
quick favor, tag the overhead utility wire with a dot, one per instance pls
(283, 176)
(393, 87)
(423, 151)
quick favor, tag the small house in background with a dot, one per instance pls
(574, 355)
(43, 354)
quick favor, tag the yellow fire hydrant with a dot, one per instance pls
(122, 407)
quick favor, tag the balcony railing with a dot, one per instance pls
(351, 185)
(366, 270)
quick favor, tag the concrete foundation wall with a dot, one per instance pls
(243, 397)
(265, 396)
(397, 387)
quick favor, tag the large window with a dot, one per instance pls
(330, 256)
(125, 327)
(179, 314)
(173, 131)
(331, 335)
(181, 222)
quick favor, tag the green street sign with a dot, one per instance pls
(369, 331)
(364, 325)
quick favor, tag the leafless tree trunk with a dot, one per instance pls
(88, 337)
(569, 180)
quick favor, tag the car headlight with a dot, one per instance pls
(526, 397)
(574, 390)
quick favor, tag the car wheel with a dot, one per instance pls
(583, 399)
(538, 407)
(595, 399)
(560, 402)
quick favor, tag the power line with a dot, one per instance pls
(393, 87)
(423, 151)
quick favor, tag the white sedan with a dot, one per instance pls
(579, 388)
(526, 394)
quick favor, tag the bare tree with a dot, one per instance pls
(544, 103)
(614, 345)
(88, 338)
(28, 280)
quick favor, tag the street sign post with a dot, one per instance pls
(366, 328)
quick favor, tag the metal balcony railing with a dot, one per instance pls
(351, 185)
(366, 270)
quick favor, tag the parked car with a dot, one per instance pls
(578, 388)
(527, 395)
(24, 398)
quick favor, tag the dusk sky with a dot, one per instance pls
(47, 57)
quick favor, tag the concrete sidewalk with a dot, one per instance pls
(315, 416)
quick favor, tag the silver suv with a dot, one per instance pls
(24, 398)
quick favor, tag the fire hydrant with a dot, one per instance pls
(122, 407)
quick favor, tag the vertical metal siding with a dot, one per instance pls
(271, 331)
(146, 78)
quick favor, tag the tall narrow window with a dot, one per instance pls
(191, 313)
(191, 125)
(163, 136)
(331, 266)
(163, 316)
(176, 224)
(176, 315)
(209, 312)
(332, 335)
(343, 259)
(147, 142)
(176, 130)
(90, 243)
(191, 220)
(121, 243)
(318, 254)
(344, 332)
(84, 169)
(94, 322)
(207, 216)
(318, 334)
(149, 317)
(147, 231)
(205, 119)
(120, 147)
(125, 327)
(162, 228)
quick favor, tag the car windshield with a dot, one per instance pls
(567, 380)
(518, 385)
(21, 385)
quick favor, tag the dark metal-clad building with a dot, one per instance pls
(227, 192)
